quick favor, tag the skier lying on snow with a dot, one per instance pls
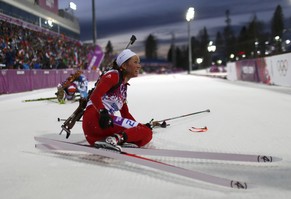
(76, 83)
(108, 97)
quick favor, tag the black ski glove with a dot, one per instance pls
(149, 126)
(105, 121)
(152, 124)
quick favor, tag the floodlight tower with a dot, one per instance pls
(189, 17)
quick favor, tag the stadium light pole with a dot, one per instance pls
(190, 16)
(94, 23)
(211, 49)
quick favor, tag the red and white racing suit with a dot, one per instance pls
(113, 101)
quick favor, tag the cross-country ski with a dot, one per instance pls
(236, 157)
(140, 160)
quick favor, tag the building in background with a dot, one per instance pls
(39, 15)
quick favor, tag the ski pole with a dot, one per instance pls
(62, 119)
(158, 123)
(43, 99)
(39, 99)
(186, 115)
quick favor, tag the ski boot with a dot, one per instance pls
(60, 94)
(115, 143)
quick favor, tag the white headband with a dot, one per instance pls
(123, 56)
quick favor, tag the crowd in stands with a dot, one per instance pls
(22, 48)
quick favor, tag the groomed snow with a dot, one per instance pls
(244, 118)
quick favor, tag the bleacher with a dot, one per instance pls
(29, 48)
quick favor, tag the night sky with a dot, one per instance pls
(118, 20)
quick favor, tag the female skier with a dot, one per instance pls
(108, 97)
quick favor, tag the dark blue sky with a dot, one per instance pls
(142, 17)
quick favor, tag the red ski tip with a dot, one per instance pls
(198, 130)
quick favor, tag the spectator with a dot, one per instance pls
(39, 49)
(9, 57)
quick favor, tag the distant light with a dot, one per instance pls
(73, 6)
(190, 14)
(277, 38)
(199, 60)
(211, 48)
(288, 41)
(50, 23)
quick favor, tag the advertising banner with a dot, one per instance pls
(95, 58)
(50, 5)
(279, 68)
(247, 70)
(14, 81)
(268, 70)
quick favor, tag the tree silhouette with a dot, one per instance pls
(277, 22)
(277, 28)
(219, 43)
(229, 37)
(151, 47)
(108, 57)
(204, 41)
